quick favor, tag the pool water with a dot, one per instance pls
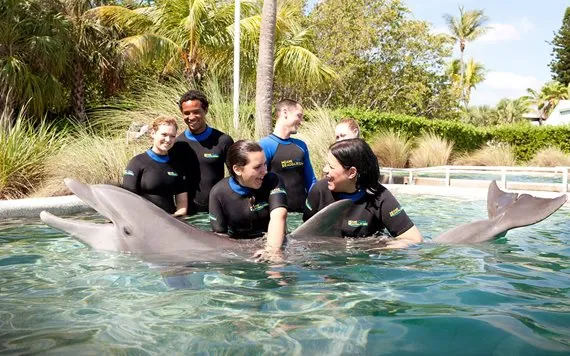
(506, 297)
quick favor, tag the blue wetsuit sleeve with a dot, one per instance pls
(132, 176)
(309, 173)
(269, 147)
(216, 212)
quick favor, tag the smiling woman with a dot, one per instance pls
(154, 175)
(251, 201)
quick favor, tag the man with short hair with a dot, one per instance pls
(289, 157)
(201, 148)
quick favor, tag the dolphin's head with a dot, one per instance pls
(134, 221)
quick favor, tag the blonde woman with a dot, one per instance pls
(346, 128)
(154, 175)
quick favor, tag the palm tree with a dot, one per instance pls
(511, 110)
(474, 75)
(264, 82)
(467, 27)
(551, 93)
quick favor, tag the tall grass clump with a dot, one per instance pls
(499, 155)
(161, 98)
(318, 133)
(550, 157)
(392, 148)
(430, 151)
(24, 148)
(90, 159)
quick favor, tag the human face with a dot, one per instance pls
(294, 118)
(194, 116)
(251, 175)
(343, 132)
(163, 139)
(340, 179)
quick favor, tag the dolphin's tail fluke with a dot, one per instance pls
(506, 211)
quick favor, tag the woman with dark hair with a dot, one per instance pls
(251, 201)
(154, 175)
(352, 172)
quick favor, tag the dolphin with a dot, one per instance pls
(141, 228)
(506, 211)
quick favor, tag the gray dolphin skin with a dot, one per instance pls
(506, 211)
(141, 228)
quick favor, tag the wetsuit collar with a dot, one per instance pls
(279, 139)
(240, 189)
(156, 157)
(199, 137)
(356, 196)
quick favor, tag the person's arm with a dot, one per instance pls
(132, 176)
(276, 229)
(216, 213)
(181, 200)
(411, 237)
(309, 172)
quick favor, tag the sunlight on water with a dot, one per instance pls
(506, 297)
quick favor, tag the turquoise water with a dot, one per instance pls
(506, 297)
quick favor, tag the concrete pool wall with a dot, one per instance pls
(70, 204)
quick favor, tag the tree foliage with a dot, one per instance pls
(383, 58)
(560, 64)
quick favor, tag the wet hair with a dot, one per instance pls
(355, 152)
(238, 154)
(352, 124)
(285, 104)
(163, 120)
(194, 95)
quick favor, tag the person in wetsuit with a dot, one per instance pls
(201, 148)
(251, 201)
(289, 157)
(346, 128)
(352, 172)
(154, 175)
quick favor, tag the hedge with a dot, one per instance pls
(525, 139)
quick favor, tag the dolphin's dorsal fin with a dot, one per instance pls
(498, 200)
(326, 222)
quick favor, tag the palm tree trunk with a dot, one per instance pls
(264, 80)
(462, 73)
(78, 93)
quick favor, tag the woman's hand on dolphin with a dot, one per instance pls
(270, 255)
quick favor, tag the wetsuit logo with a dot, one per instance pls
(212, 217)
(211, 155)
(291, 164)
(259, 206)
(173, 174)
(278, 191)
(396, 211)
(128, 172)
(357, 223)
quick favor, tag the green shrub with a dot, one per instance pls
(431, 151)
(392, 148)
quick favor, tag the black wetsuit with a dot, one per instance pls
(155, 177)
(243, 212)
(203, 157)
(290, 160)
(369, 215)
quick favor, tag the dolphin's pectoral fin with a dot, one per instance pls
(326, 222)
(498, 200)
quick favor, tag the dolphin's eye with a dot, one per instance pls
(127, 230)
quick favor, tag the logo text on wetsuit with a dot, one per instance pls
(211, 155)
(259, 206)
(291, 163)
(357, 223)
(173, 174)
(128, 172)
(278, 191)
(396, 212)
